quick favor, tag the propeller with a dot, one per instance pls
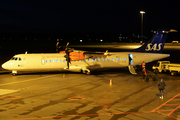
(96, 54)
(67, 55)
(57, 46)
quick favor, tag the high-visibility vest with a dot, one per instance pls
(143, 64)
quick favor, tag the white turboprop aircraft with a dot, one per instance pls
(86, 62)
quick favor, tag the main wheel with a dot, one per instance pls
(156, 71)
(173, 73)
(87, 72)
(13, 74)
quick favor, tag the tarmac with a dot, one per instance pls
(104, 95)
(112, 94)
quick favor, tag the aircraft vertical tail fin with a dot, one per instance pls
(156, 43)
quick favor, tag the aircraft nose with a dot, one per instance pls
(5, 65)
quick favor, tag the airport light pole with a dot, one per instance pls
(142, 12)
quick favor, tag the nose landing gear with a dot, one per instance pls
(14, 73)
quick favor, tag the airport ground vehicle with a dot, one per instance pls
(175, 42)
(164, 66)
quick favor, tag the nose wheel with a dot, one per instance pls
(14, 73)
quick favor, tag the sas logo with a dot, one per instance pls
(149, 47)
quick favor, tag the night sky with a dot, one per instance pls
(33, 16)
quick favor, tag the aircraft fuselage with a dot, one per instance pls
(57, 61)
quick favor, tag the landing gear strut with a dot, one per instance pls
(87, 72)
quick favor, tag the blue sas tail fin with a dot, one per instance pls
(155, 44)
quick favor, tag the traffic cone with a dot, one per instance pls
(63, 75)
(110, 84)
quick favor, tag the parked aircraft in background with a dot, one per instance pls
(85, 62)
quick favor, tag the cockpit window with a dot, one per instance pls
(12, 58)
(16, 58)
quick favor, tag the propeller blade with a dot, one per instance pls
(57, 47)
(67, 55)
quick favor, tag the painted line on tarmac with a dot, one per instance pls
(56, 117)
(154, 111)
(166, 104)
(27, 80)
(167, 116)
(173, 110)
(81, 115)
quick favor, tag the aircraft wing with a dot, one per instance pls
(96, 54)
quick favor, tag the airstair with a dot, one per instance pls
(132, 70)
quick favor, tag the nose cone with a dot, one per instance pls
(5, 65)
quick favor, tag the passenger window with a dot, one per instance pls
(109, 59)
(99, 59)
(106, 59)
(57, 60)
(102, 59)
(81, 60)
(85, 60)
(53, 60)
(112, 59)
(125, 59)
(20, 59)
(16, 58)
(49, 60)
(115, 59)
(91, 59)
(60, 60)
(119, 59)
(95, 59)
(88, 59)
(46, 60)
(64, 60)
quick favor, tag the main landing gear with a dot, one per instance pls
(86, 71)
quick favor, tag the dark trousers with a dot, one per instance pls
(161, 93)
(143, 76)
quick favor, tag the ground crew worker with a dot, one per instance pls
(161, 87)
(144, 73)
(143, 64)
